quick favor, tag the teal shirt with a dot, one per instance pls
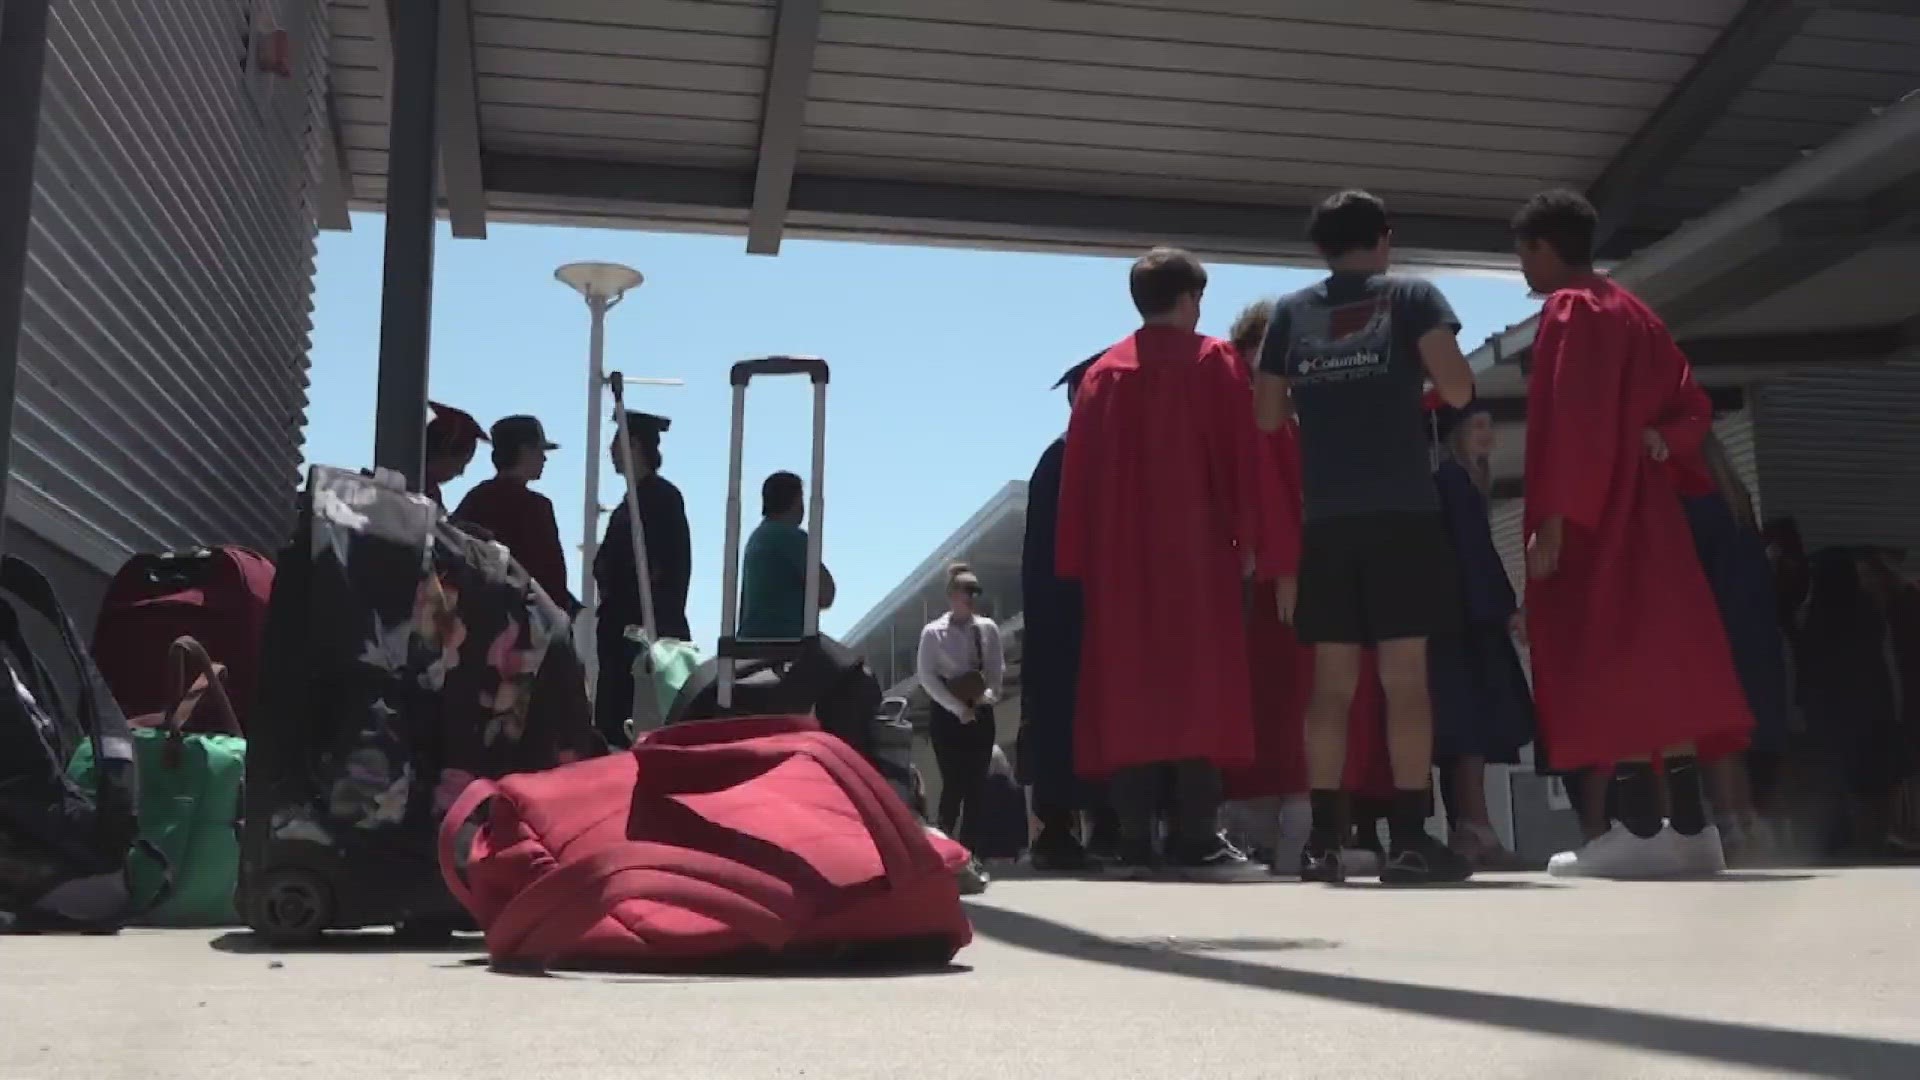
(773, 582)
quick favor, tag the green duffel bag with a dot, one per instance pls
(190, 783)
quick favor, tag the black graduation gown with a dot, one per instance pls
(1481, 704)
(663, 513)
(1050, 660)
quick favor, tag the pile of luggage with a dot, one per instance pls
(388, 725)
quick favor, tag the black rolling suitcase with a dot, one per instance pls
(813, 673)
(401, 655)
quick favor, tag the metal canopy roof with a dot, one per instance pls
(1103, 126)
(1799, 288)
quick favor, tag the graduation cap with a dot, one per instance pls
(447, 425)
(1071, 379)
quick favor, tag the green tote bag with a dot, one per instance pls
(190, 786)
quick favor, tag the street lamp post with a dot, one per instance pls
(602, 285)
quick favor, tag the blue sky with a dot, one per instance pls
(943, 359)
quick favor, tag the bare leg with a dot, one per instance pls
(1403, 675)
(1336, 671)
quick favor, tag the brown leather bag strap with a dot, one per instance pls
(195, 678)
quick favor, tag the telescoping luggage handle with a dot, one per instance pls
(732, 649)
(641, 568)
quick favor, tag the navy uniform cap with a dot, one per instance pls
(641, 425)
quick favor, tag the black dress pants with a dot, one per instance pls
(1194, 791)
(964, 753)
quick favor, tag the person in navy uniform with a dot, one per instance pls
(663, 519)
(515, 514)
(453, 435)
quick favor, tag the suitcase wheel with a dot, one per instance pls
(292, 907)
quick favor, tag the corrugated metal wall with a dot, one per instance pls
(170, 271)
(1736, 432)
(1840, 452)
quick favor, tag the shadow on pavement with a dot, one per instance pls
(1800, 1052)
(248, 943)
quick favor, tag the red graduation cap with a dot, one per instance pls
(454, 425)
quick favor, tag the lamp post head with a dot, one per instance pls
(599, 280)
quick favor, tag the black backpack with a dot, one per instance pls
(63, 849)
(827, 679)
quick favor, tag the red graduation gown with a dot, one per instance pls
(1280, 669)
(522, 519)
(1629, 655)
(1160, 493)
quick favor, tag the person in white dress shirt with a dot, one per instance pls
(962, 667)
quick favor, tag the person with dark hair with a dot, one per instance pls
(773, 566)
(1349, 358)
(453, 436)
(518, 516)
(1160, 522)
(1267, 811)
(1050, 668)
(1482, 707)
(1610, 401)
(669, 541)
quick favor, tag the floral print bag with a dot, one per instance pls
(403, 657)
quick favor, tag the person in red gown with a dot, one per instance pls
(1159, 521)
(453, 435)
(1630, 661)
(1267, 808)
(515, 514)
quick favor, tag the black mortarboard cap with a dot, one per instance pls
(1071, 378)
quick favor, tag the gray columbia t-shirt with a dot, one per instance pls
(1349, 350)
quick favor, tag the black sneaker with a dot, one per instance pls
(1222, 862)
(1138, 863)
(1423, 861)
(1322, 865)
(1061, 853)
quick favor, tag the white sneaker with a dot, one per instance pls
(1699, 855)
(1621, 855)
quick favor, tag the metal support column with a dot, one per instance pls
(406, 299)
(23, 59)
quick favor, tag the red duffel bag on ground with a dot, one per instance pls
(727, 842)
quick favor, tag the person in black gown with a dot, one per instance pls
(663, 517)
(1482, 708)
(1050, 671)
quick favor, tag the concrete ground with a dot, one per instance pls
(1762, 974)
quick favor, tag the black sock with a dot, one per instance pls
(1328, 810)
(1689, 798)
(1636, 788)
(1407, 821)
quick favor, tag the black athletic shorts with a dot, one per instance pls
(1370, 578)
